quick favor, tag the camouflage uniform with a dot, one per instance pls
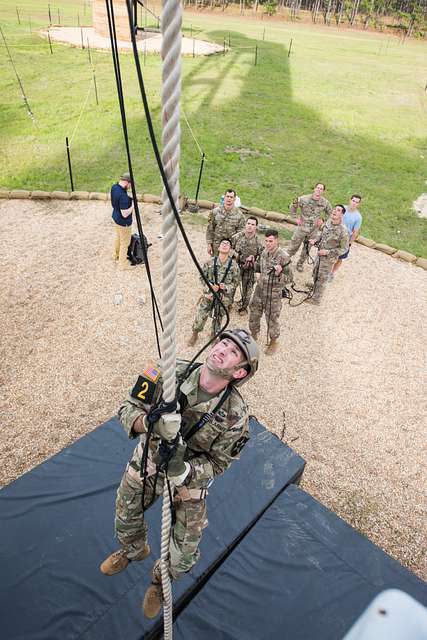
(244, 247)
(311, 209)
(216, 272)
(223, 224)
(210, 451)
(267, 298)
(334, 238)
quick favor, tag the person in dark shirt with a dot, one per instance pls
(122, 217)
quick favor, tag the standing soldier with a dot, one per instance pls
(267, 299)
(247, 248)
(207, 447)
(314, 210)
(223, 274)
(353, 221)
(332, 242)
(224, 222)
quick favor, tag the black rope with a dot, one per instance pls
(116, 64)
(167, 187)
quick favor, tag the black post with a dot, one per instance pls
(229, 41)
(263, 34)
(223, 51)
(59, 17)
(50, 15)
(96, 88)
(88, 50)
(81, 34)
(200, 177)
(50, 42)
(290, 47)
(194, 44)
(17, 13)
(256, 54)
(69, 164)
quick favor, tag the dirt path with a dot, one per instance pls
(346, 385)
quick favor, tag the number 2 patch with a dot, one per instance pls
(146, 385)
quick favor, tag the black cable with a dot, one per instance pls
(167, 188)
(116, 64)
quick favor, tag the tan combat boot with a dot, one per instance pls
(272, 347)
(192, 341)
(153, 599)
(118, 561)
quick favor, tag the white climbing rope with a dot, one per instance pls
(171, 91)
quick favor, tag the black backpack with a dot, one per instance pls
(135, 253)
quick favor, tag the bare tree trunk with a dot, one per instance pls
(315, 10)
(256, 6)
(354, 12)
(327, 12)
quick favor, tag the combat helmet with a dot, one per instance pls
(248, 346)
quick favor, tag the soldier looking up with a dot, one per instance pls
(223, 274)
(224, 221)
(204, 452)
(267, 299)
(332, 242)
(247, 249)
(314, 210)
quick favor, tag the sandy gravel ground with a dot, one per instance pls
(345, 389)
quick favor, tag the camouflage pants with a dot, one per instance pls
(297, 239)
(268, 303)
(205, 309)
(323, 267)
(131, 529)
(247, 281)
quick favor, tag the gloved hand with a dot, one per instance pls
(167, 426)
(176, 465)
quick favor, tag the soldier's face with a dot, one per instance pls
(226, 355)
(271, 243)
(336, 215)
(250, 227)
(229, 199)
(224, 246)
(319, 189)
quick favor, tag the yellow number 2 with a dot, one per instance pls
(143, 392)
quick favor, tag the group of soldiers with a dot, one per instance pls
(238, 254)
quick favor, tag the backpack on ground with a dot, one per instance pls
(135, 253)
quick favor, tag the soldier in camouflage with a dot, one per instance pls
(314, 210)
(247, 250)
(223, 274)
(332, 242)
(267, 299)
(224, 222)
(202, 453)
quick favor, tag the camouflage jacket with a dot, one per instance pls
(333, 238)
(212, 449)
(223, 224)
(268, 261)
(216, 272)
(244, 247)
(311, 209)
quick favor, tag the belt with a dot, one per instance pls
(182, 494)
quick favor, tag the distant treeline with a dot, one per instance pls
(406, 17)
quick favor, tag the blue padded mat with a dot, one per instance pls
(57, 526)
(301, 573)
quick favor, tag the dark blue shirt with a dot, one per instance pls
(120, 200)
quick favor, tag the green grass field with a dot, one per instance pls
(346, 108)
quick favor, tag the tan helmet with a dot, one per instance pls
(248, 346)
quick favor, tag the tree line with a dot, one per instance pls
(406, 17)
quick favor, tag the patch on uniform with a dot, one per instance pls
(238, 445)
(146, 384)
